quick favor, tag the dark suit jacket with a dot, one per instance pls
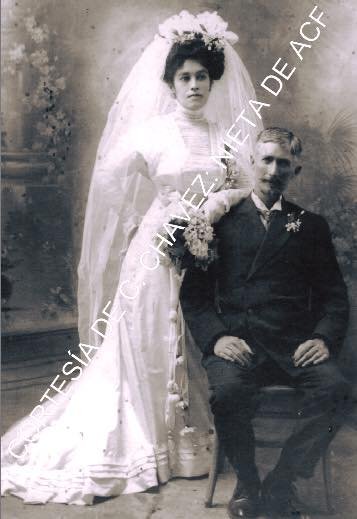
(274, 288)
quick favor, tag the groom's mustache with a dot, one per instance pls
(273, 182)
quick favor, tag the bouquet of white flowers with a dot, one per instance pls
(194, 241)
(194, 244)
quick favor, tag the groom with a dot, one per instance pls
(272, 310)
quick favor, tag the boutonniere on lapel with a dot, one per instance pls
(294, 222)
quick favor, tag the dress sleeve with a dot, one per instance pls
(136, 153)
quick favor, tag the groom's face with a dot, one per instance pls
(274, 166)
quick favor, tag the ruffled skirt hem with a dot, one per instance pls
(74, 487)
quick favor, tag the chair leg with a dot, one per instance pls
(326, 467)
(213, 473)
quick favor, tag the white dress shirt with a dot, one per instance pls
(262, 207)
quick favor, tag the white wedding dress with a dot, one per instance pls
(124, 425)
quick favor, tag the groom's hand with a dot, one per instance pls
(310, 352)
(233, 349)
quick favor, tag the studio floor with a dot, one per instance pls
(184, 499)
(23, 381)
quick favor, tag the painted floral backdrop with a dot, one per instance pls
(43, 87)
(37, 260)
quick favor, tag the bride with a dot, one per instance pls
(137, 414)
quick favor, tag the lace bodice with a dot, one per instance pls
(194, 141)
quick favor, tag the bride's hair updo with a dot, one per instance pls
(196, 49)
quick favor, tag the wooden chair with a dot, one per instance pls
(276, 402)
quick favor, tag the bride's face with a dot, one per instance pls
(192, 85)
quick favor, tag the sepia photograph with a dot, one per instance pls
(179, 259)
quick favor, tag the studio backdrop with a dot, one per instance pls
(63, 65)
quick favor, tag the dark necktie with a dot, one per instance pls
(267, 215)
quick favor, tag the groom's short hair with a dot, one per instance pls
(283, 137)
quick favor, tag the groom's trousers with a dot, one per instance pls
(323, 399)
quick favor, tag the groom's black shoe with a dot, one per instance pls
(245, 501)
(279, 497)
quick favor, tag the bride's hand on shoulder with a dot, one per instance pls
(220, 203)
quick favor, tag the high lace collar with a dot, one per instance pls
(186, 113)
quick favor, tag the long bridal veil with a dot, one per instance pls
(119, 197)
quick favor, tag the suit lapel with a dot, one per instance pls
(275, 237)
(248, 226)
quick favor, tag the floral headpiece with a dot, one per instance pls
(209, 27)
